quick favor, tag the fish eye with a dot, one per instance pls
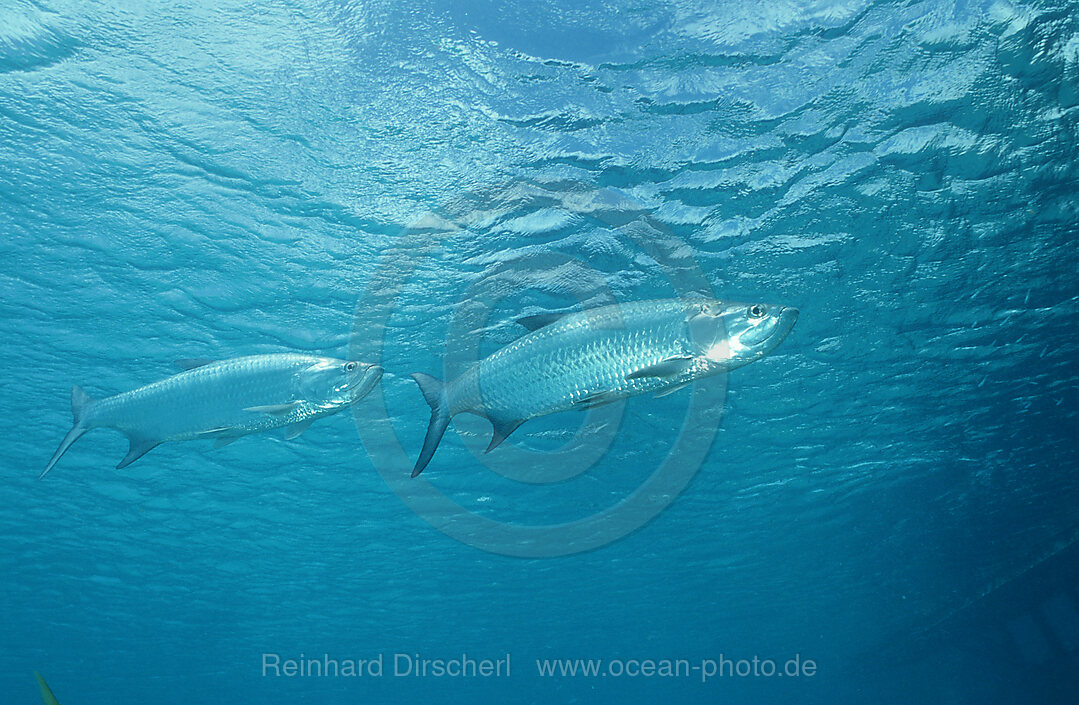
(757, 311)
(350, 367)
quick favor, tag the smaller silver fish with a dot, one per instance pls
(223, 400)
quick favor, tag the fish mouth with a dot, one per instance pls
(785, 321)
(362, 384)
(775, 330)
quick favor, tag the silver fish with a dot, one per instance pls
(223, 400)
(585, 359)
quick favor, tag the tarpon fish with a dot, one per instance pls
(224, 400)
(588, 358)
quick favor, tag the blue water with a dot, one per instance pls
(892, 494)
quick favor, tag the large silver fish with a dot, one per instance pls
(224, 400)
(588, 358)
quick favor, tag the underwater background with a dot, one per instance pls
(892, 494)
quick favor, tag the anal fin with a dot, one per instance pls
(138, 447)
(502, 429)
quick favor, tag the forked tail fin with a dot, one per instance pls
(434, 392)
(47, 698)
(80, 402)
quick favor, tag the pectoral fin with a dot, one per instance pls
(274, 409)
(139, 447)
(294, 430)
(669, 367)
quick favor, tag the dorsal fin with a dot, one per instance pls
(539, 320)
(190, 363)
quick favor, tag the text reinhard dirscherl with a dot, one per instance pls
(399, 665)
(465, 666)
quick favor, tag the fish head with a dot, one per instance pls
(727, 335)
(338, 383)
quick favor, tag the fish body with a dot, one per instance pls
(224, 400)
(585, 359)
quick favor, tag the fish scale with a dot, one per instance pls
(224, 400)
(207, 397)
(569, 360)
(599, 356)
